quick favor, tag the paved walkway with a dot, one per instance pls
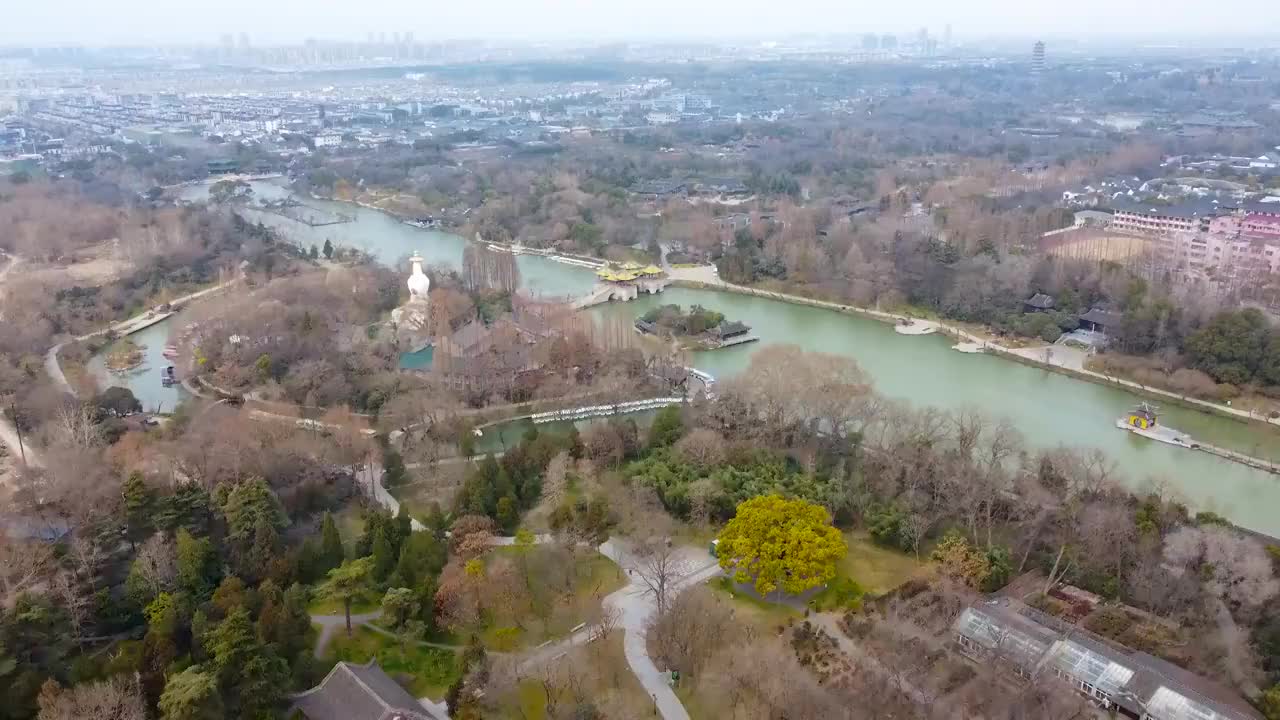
(9, 432)
(634, 607)
(370, 478)
(439, 710)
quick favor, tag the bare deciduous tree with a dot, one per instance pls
(157, 563)
(693, 627)
(702, 447)
(113, 699)
(22, 565)
(660, 567)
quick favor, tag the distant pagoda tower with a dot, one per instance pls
(1037, 58)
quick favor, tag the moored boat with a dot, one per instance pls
(1144, 420)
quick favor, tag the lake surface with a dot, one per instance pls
(144, 381)
(1049, 409)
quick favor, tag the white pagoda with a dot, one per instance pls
(412, 316)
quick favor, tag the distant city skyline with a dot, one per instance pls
(157, 22)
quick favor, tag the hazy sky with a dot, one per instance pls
(106, 22)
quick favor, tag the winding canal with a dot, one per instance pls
(1049, 409)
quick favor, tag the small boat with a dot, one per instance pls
(1144, 420)
(170, 351)
(167, 377)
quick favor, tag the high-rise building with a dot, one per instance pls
(1037, 58)
(946, 36)
(870, 41)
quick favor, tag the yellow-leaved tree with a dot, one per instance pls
(775, 542)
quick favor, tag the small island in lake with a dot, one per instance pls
(124, 356)
(698, 329)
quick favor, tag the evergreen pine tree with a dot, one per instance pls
(394, 471)
(331, 552)
(404, 527)
(139, 508)
(436, 521)
(198, 569)
(297, 620)
(384, 557)
(575, 443)
(260, 555)
(507, 516)
(328, 249)
(309, 563)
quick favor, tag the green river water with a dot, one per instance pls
(1049, 409)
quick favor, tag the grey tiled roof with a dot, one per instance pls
(358, 692)
(1041, 301)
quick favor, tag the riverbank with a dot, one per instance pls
(1026, 356)
(124, 328)
(1051, 407)
(564, 258)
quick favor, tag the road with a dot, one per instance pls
(370, 478)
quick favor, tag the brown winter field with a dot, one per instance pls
(1092, 245)
(93, 266)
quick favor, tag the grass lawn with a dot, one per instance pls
(595, 577)
(425, 671)
(419, 496)
(334, 607)
(751, 608)
(604, 680)
(693, 703)
(350, 522)
(876, 569)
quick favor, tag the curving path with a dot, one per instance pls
(54, 370)
(634, 608)
(8, 431)
(330, 624)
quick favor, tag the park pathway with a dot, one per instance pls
(633, 607)
(329, 624)
(8, 431)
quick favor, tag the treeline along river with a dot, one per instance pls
(1048, 408)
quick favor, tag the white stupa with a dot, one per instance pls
(419, 283)
(412, 316)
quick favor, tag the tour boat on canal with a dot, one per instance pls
(1143, 420)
